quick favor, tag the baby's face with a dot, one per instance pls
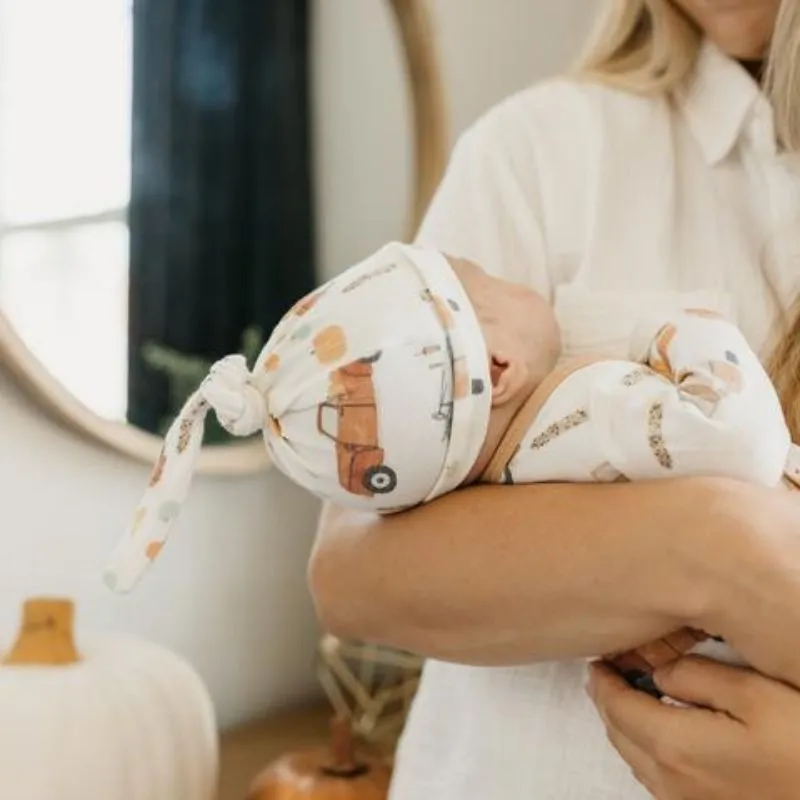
(521, 332)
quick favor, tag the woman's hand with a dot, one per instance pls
(743, 744)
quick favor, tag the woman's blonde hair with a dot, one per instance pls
(650, 46)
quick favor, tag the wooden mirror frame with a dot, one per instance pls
(415, 27)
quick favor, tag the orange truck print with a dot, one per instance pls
(349, 417)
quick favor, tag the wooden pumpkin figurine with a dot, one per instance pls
(335, 773)
(121, 720)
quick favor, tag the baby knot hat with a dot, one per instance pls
(373, 392)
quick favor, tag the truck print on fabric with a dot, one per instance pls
(349, 418)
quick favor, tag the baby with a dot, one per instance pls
(413, 374)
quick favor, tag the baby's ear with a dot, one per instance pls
(509, 377)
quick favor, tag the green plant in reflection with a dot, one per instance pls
(185, 372)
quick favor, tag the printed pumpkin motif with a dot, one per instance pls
(153, 550)
(272, 362)
(330, 344)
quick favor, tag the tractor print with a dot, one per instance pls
(349, 417)
(455, 385)
(456, 382)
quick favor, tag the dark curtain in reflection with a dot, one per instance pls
(221, 207)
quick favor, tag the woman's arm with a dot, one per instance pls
(513, 574)
(504, 575)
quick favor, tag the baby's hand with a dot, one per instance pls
(637, 666)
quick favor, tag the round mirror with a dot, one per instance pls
(157, 198)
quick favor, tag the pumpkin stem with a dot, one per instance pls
(45, 637)
(345, 763)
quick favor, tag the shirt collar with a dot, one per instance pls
(719, 101)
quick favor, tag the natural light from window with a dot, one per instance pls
(65, 96)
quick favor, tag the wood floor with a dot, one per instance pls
(246, 750)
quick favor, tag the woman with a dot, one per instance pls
(654, 177)
(750, 750)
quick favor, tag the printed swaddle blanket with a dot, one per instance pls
(695, 401)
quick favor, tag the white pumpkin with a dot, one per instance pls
(121, 720)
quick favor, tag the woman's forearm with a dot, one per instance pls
(503, 575)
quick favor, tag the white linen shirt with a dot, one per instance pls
(609, 204)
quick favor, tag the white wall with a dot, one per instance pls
(229, 590)
(489, 48)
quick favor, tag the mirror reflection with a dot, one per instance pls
(156, 203)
